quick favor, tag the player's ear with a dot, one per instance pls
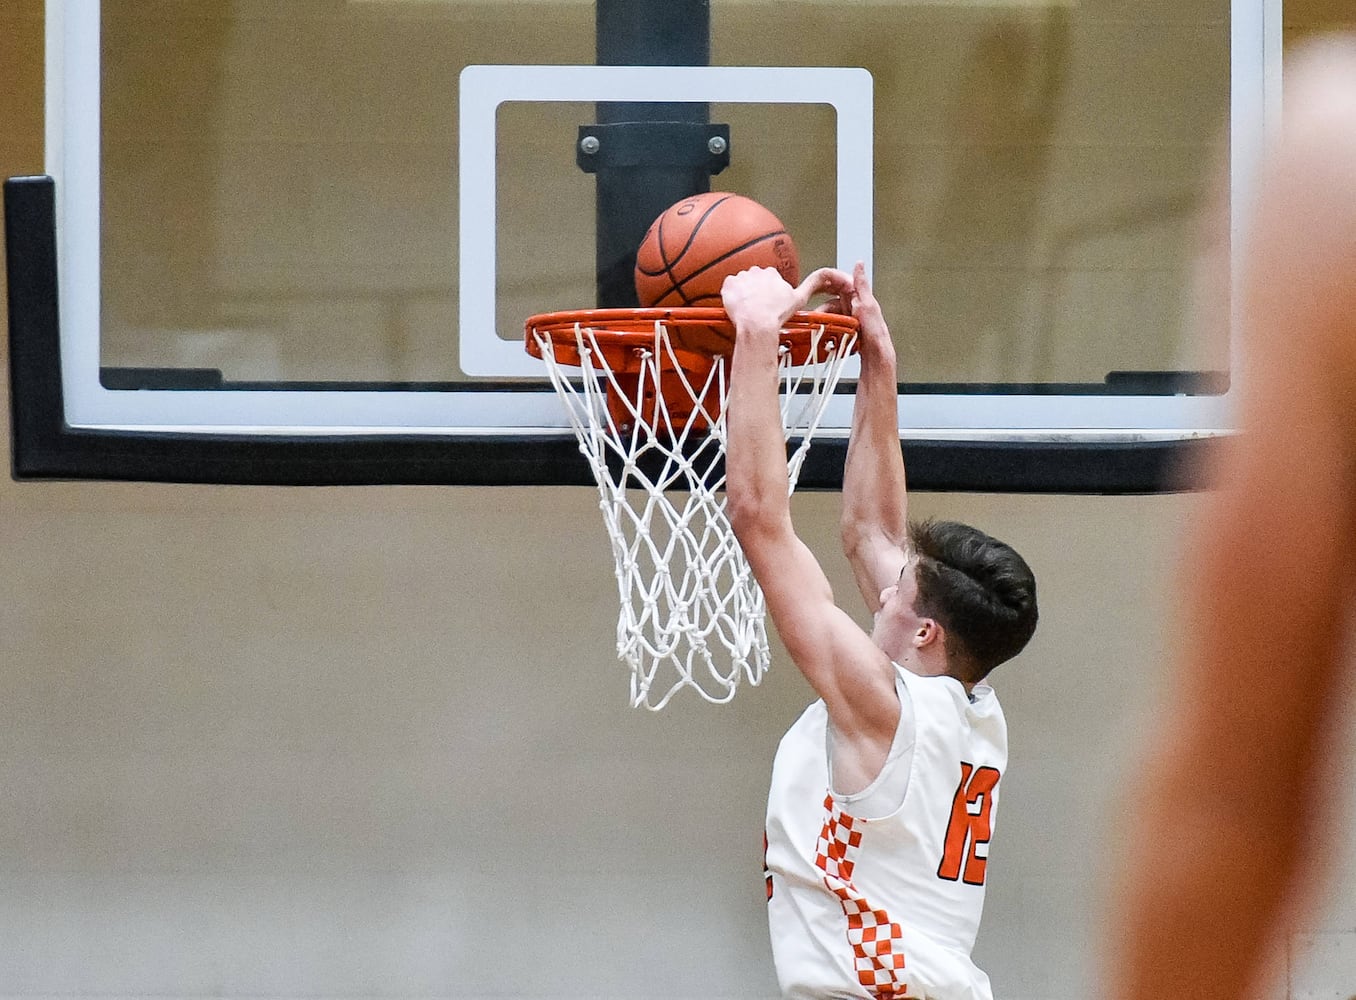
(928, 632)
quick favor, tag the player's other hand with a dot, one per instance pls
(760, 296)
(866, 309)
(826, 281)
(850, 294)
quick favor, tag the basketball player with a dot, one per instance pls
(884, 792)
(1238, 800)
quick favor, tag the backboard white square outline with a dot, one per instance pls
(483, 88)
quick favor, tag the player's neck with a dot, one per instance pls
(926, 664)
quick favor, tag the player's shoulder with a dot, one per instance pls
(983, 701)
(941, 686)
(1325, 66)
(946, 697)
(1320, 111)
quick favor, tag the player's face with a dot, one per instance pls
(899, 625)
(898, 601)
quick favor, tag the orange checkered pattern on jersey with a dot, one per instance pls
(877, 942)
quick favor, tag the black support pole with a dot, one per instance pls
(631, 195)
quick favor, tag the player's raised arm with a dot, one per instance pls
(849, 671)
(874, 524)
(1236, 797)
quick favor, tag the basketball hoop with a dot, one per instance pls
(648, 408)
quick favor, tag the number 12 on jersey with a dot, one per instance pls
(970, 827)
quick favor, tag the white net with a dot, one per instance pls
(692, 616)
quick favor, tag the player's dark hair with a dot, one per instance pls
(978, 589)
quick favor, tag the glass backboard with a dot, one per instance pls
(297, 242)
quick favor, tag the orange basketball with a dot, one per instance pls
(697, 243)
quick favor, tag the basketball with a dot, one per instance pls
(698, 242)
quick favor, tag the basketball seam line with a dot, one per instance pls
(674, 283)
(677, 286)
(692, 235)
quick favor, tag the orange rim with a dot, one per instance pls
(696, 335)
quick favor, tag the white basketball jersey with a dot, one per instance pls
(889, 906)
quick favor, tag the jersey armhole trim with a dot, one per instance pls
(884, 796)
